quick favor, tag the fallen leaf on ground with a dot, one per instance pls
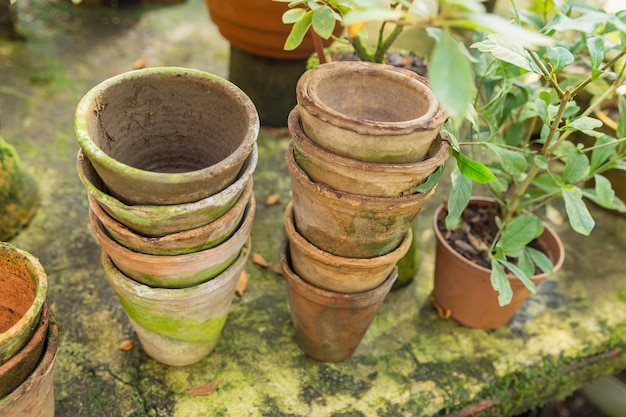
(272, 199)
(140, 63)
(242, 284)
(259, 260)
(278, 270)
(204, 389)
(127, 345)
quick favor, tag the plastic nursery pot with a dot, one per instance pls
(166, 135)
(176, 271)
(35, 396)
(19, 366)
(158, 220)
(462, 289)
(350, 225)
(177, 327)
(24, 287)
(19, 195)
(367, 111)
(187, 241)
(336, 273)
(329, 326)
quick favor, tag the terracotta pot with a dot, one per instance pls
(166, 135)
(156, 220)
(35, 396)
(371, 112)
(176, 271)
(188, 241)
(336, 273)
(463, 289)
(329, 326)
(177, 327)
(19, 195)
(361, 177)
(24, 287)
(350, 225)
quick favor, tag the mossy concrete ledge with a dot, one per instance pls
(410, 362)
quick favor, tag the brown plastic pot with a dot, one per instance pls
(336, 273)
(361, 177)
(463, 291)
(350, 225)
(329, 325)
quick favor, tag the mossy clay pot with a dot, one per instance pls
(158, 220)
(187, 241)
(361, 177)
(368, 111)
(19, 194)
(336, 273)
(350, 225)
(175, 271)
(166, 135)
(35, 396)
(24, 287)
(329, 325)
(177, 327)
(463, 290)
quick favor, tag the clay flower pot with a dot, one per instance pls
(35, 396)
(336, 273)
(350, 225)
(175, 271)
(372, 112)
(177, 327)
(187, 241)
(166, 135)
(24, 287)
(19, 195)
(21, 365)
(329, 326)
(157, 220)
(463, 291)
(361, 177)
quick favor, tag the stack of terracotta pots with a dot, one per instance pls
(167, 157)
(365, 137)
(29, 336)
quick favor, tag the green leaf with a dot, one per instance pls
(298, 31)
(512, 162)
(519, 232)
(521, 274)
(371, 14)
(431, 181)
(576, 166)
(577, 212)
(541, 162)
(504, 49)
(473, 170)
(293, 15)
(460, 193)
(595, 45)
(500, 283)
(604, 191)
(324, 21)
(621, 118)
(540, 259)
(585, 123)
(601, 154)
(525, 262)
(451, 76)
(559, 57)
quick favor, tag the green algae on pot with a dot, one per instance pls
(177, 327)
(19, 194)
(166, 135)
(24, 290)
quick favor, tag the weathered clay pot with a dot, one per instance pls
(372, 112)
(463, 291)
(35, 396)
(24, 287)
(166, 135)
(329, 325)
(361, 177)
(336, 273)
(19, 194)
(350, 225)
(176, 271)
(21, 365)
(187, 241)
(156, 220)
(177, 327)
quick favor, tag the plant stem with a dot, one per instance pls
(319, 47)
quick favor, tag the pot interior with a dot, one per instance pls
(18, 291)
(167, 123)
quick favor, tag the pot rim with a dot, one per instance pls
(94, 152)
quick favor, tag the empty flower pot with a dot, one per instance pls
(158, 220)
(367, 111)
(177, 327)
(166, 135)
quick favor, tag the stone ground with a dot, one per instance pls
(410, 363)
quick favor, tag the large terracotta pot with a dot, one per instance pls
(350, 225)
(462, 289)
(367, 111)
(166, 135)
